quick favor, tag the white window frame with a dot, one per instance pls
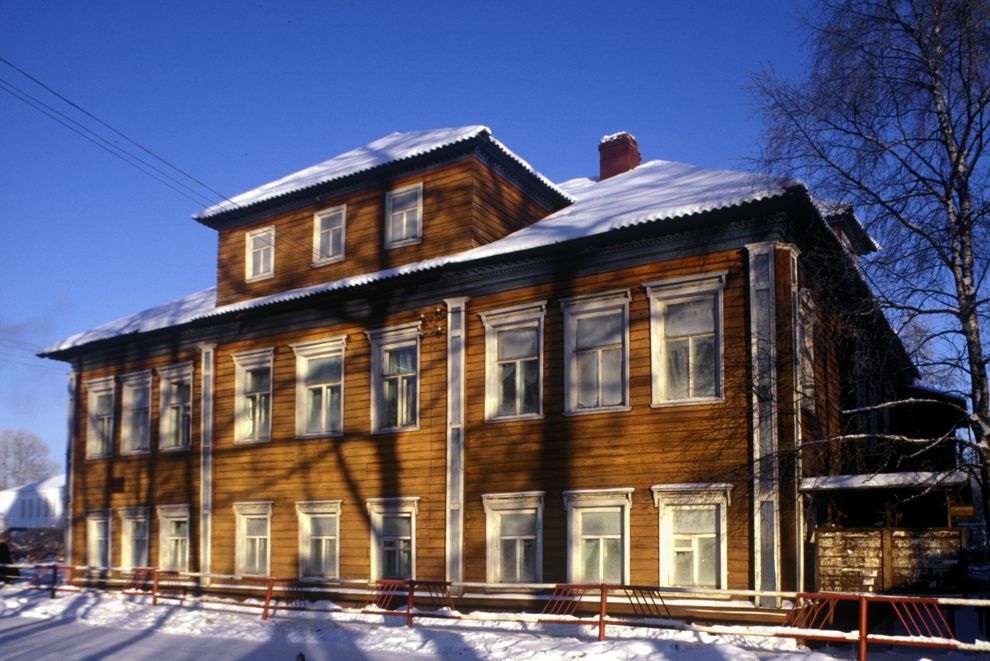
(304, 353)
(805, 344)
(320, 259)
(166, 515)
(662, 292)
(127, 516)
(592, 305)
(128, 384)
(98, 447)
(378, 508)
(496, 504)
(381, 341)
(249, 275)
(166, 377)
(595, 500)
(257, 509)
(243, 362)
(529, 315)
(305, 511)
(668, 497)
(93, 517)
(407, 241)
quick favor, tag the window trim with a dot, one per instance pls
(242, 512)
(306, 351)
(96, 387)
(318, 259)
(244, 361)
(805, 342)
(389, 196)
(126, 515)
(94, 516)
(666, 497)
(305, 510)
(129, 382)
(578, 500)
(167, 513)
(166, 376)
(660, 292)
(592, 304)
(497, 503)
(380, 507)
(528, 315)
(248, 254)
(381, 340)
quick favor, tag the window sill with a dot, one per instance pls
(687, 402)
(252, 441)
(327, 260)
(100, 456)
(134, 453)
(171, 450)
(395, 430)
(403, 243)
(603, 409)
(258, 278)
(319, 435)
(513, 418)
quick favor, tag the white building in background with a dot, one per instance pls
(34, 505)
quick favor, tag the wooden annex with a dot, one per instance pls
(423, 359)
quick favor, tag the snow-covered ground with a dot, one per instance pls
(198, 631)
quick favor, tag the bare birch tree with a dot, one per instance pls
(23, 458)
(891, 117)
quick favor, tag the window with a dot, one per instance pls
(686, 338)
(320, 387)
(259, 261)
(319, 523)
(328, 235)
(514, 526)
(692, 533)
(135, 414)
(253, 549)
(173, 537)
(806, 350)
(395, 378)
(98, 538)
(176, 412)
(253, 396)
(596, 352)
(404, 216)
(393, 537)
(134, 537)
(514, 361)
(99, 428)
(598, 535)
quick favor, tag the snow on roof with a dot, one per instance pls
(911, 479)
(654, 191)
(574, 187)
(393, 147)
(54, 482)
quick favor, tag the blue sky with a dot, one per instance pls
(242, 93)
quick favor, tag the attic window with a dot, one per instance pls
(260, 254)
(404, 216)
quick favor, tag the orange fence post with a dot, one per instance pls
(154, 586)
(862, 628)
(268, 598)
(410, 599)
(601, 612)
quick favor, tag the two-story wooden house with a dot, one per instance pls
(423, 359)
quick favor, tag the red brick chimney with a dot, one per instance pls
(617, 153)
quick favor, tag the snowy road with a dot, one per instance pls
(32, 638)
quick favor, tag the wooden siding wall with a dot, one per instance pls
(142, 480)
(638, 448)
(465, 204)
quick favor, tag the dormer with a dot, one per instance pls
(401, 199)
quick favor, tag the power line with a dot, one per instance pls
(53, 114)
(115, 130)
